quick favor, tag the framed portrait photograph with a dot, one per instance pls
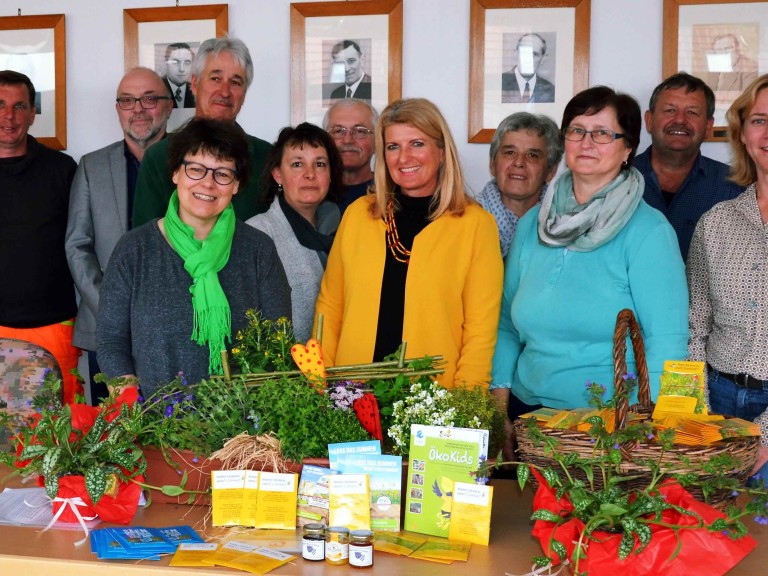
(723, 42)
(166, 40)
(525, 55)
(36, 46)
(344, 50)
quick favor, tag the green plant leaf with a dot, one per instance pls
(123, 458)
(62, 427)
(523, 474)
(612, 509)
(171, 490)
(33, 451)
(559, 549)
(52, 486)
(50, 460)
(643, 532)
(546, 515)
(626, 545)
(95, 483)
(94, 434)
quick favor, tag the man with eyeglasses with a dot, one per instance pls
(37, 295)
(680, 182)
(222, 71)
(102, 195)
(178, 73)
(351, 122)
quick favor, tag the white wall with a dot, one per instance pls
(625, 53)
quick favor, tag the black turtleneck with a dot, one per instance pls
(410, 219)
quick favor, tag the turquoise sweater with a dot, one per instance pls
(559, 308)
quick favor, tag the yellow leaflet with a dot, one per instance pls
(350, 501)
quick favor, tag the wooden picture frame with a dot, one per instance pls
(150, 33)
(36, 46)
(561, 52)
(371, 31)
(719, 44)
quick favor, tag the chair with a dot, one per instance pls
(22, 368)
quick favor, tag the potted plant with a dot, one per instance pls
(590, 514)
(86, 457)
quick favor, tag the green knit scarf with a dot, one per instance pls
(203, 260)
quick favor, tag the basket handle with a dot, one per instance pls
(626, 322)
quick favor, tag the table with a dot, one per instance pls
(28, 552)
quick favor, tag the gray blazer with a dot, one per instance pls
(98, 206)
(302, 265)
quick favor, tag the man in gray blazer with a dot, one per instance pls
(101, 198)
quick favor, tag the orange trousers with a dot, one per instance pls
(57, 339)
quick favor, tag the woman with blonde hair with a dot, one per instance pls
(728, 276)
(417, 260)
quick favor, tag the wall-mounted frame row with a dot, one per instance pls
(524, 54)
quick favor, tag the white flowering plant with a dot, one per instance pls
(427, 402)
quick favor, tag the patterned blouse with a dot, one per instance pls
(728, 283)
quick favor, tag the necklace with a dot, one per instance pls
(399, 252)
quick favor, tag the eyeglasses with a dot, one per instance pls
(598, 136)
(147, 102)
(197, 171)
(358, 132)
(177, 62)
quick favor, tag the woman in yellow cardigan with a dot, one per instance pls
(416, 260)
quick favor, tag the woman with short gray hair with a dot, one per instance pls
(525, 152)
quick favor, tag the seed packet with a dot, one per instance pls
(471, 518)
(276, 501)
(193, 554)
(227, 496)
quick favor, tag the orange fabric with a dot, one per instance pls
(57, 339)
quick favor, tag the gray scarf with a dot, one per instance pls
(584, 227)
(506, 220)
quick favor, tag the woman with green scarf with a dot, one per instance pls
(177, 288)
(592, 248)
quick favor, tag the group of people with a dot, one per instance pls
(170, 238)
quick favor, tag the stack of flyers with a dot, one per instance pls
(140, 543)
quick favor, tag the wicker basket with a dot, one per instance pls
(682, 459)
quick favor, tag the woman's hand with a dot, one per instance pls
(762, 458)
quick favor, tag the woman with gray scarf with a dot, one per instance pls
(592, 248)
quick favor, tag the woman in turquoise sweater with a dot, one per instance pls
(592, 248)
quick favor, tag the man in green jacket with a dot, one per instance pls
(221, 73)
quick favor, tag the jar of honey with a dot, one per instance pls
(337, 545)
(313, 542)
(361, 548)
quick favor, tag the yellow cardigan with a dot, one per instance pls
(452, 292)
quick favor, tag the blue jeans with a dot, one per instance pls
(727, 397)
